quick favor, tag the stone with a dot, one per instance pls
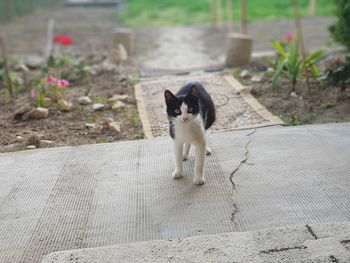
(64, 105)
(45, 143)
(245, 74)
(239, 49)
(118, 97)
(22, 110)
(114, 126)
(11, 147)
(124, 36)
(294, 95)
(119, 105)
(21, 67)
(257, 78)
(34, 62)
(98, 106)
(118, 55)
(270, 70)
(31, 147)
(107, 66)
(19, 138)
(38, 113)
(84, 100)
(90, 125)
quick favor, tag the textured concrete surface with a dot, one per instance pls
(99, 195)
(304, 243)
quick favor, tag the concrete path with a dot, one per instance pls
(99, 195)
(299, 244)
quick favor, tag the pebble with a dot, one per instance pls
(257, 78)
(118, 97)
(64, 105)
(114, 126)
(31, 147)
(119, 105)
(45, 143)
(34, 62)
(98, 106)
(84, 100)
(37, 113)
(245, 74)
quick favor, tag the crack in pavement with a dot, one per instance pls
(244, 160)
(275, 250)
(311, 231)
(246, 154)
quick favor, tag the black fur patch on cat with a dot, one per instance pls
(195, 96)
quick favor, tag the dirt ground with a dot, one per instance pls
(198, 46)
(318, 104)
(92, 35)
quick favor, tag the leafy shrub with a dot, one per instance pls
(289, 62)
(338, 74)
(341, 29)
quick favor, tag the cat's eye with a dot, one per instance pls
(190, 109)
(177, 111)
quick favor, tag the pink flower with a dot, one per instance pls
(51, 79)
(33, 93)
(289, 36)
(63, 83)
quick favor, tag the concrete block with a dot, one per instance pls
(124, 37)
(239, 49)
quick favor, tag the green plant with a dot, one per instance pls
(341, 29)
(290, 64)
(295, 120)
(338, 74)
(12, 79)
(140, 13)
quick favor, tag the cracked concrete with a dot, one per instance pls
(100, 195)
(244, 160)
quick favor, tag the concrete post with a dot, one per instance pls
(239, 49)
(124, 36)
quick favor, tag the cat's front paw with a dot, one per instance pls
(199, 180)
(177, 175)
(208, 151)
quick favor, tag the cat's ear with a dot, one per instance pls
(193, 92)
(169, 96)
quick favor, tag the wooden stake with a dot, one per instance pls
(213, 12)
(299, 28)
(244, 24)
(50, 29)
(219, 13)
(6, 67)
(229, 15)
(312, 7)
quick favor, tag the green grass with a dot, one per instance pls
(140, 13)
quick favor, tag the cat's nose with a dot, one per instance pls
(185, 119)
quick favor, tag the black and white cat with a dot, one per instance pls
(190, 112)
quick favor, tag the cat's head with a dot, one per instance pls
(184, 108)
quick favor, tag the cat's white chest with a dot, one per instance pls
(192, 132)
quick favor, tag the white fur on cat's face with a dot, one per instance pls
(185, 117)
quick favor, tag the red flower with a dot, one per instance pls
(289, 36)
(63, 40)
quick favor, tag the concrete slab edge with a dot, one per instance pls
(300, 243)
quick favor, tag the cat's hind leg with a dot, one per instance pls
(178, 173)
(187, 151)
